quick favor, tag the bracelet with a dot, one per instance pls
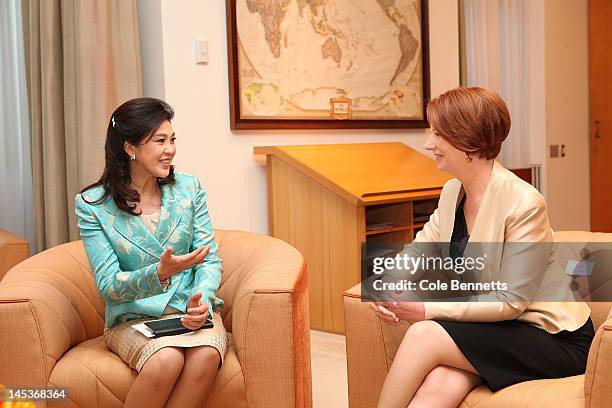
(165, 283)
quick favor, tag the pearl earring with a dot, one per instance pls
(132, 157)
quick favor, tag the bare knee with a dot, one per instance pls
(205, 361)
(427, 342)
(164, 366)
(422, 334)
(423, 329)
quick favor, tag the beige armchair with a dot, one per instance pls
(52, 320)
(371, 345)
(12, 251)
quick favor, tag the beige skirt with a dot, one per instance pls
(135, 348)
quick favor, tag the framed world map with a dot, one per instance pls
(315, 64)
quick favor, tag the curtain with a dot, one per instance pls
(83, 60)
(495, 52)
(16, 214)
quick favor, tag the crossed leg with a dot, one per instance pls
(197, 378)
(444, 387)
(426, 357)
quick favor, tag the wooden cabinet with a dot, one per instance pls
(326, 200)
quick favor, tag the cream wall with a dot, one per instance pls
(536, 88)
(223, 160)
(567, 113)
(235, 179)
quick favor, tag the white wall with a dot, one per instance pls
(223, 160)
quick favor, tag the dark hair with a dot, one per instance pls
(134, 121)
(472, 119)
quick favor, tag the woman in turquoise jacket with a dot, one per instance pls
(150, 242)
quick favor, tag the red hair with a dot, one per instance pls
(472, 119)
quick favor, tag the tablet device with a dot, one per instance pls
(172, 326)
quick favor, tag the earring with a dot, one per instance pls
(468, 158)
(132, 157)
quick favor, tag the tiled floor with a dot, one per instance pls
(329, 381)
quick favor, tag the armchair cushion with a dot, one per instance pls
(96, 377)
(563, 392)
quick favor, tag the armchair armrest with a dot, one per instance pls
(12, 251)
(270, 319)
(371, 345)
(597, 381)
(42, 314)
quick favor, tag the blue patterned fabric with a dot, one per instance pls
(124, 255)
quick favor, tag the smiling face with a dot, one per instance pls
(447, 156)
(154, 156)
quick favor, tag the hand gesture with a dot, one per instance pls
(384, 313)
(197, 312)
(170, 265)
(409, 311)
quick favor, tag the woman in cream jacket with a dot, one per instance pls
(533, 329)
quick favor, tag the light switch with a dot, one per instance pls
(201, 51)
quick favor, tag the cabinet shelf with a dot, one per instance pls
(389, 229)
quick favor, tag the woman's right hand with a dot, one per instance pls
(170, 265)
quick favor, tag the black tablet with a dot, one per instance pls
(173, 326)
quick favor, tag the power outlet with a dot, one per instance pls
(557, 151)
(554, 151)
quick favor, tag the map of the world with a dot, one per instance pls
(294, 56)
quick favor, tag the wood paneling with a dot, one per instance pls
(324, 227)
(600, 117)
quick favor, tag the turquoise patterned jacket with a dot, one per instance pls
(124, 255)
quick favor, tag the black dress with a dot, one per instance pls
(509, 352)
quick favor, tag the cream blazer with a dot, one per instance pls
(511, 211)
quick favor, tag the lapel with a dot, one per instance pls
(133, 230)
(484, 223)
(486, 226)
(170, 214)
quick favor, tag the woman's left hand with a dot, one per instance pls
(197, 312)
(410, 311)
(383, 313)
